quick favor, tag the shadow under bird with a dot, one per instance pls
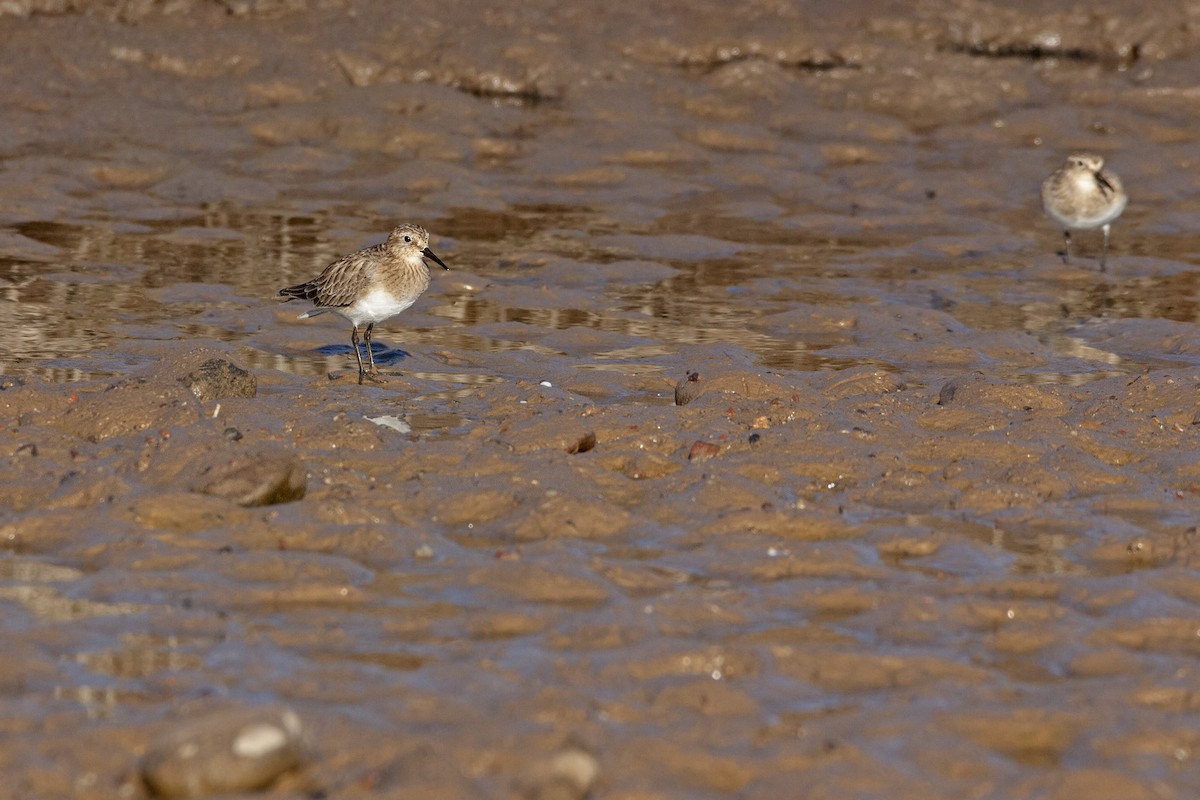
(1080, 195)
(371, 285)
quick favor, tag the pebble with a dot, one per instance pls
(688, 389)
(567, 775)
(228, 751)
(217, 378)
(946, 395)
(703, 451)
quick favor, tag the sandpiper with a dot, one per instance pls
(1081, 194)
(371, 285)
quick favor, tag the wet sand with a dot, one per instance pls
(758, 443)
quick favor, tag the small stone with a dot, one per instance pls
(755, 438)
(232, 434)
(946, 395)
(217, 378)
(703, 451)
(359, 70)
(688, 389)
(29, 449)
(567, 775)
(225, 752)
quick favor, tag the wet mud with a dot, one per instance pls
(758, 443)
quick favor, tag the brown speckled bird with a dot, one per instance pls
(371, 285)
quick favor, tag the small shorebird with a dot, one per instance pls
(371, 285)
(1081, 194)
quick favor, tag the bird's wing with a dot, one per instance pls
(343, 281)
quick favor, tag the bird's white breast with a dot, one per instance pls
(1085, 183)
(375, 306)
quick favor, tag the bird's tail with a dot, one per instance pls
(301, 291)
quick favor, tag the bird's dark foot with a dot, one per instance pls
(372, 376)
(1063, 255)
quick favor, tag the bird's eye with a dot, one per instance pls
(408, 240)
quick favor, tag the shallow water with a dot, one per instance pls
(927, 528)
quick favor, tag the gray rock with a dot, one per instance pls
(688, 389)
(946, 395)
(228, 751)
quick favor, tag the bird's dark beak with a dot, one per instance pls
(430, 254)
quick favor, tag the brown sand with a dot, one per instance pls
(924, 528)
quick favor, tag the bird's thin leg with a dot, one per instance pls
(1066, 245)
(1104, 252)
(370, 354)
(357, 355)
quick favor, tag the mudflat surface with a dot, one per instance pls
(925, 526)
